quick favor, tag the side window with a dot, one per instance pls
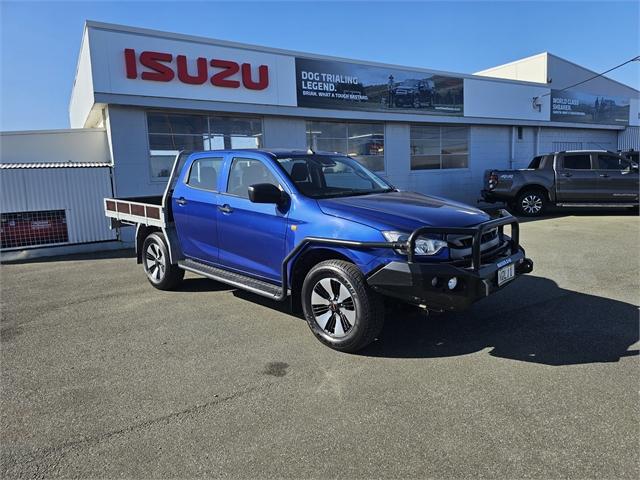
(535, 163)
(204, 173)
(577, 161)
(612, 162)
(246, 172)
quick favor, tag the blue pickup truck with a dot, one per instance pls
(322, 230)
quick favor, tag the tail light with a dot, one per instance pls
(493, 180)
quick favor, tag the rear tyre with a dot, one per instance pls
(532, 203)
(155, 260)
(340, 308)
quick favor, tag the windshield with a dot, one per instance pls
(328, 176)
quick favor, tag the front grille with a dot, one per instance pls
(460, 245)
(491, 255)
(462, 241)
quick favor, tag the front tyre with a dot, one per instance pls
(155, 259)
(531, 203)
(340, 308)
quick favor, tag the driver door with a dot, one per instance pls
(251, 236)
(618, 182)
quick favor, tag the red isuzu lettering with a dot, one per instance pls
(159, 68)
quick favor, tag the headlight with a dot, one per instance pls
(424, 246)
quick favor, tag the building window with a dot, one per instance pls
(169, 133)
(362, 141)
(439, 147)
(520, 133)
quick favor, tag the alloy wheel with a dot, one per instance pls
(155, 262)
(333, 307)
(531, 204)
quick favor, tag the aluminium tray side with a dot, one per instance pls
(134, 212)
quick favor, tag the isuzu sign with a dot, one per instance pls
(164, 67)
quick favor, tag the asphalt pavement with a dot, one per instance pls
(103, 376)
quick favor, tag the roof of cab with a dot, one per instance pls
(276, 152)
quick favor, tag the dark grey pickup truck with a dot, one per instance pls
(577, 178)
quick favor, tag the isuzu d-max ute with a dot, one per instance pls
(414, 93)
(322, 230)
(577, 178)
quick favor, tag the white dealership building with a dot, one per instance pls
(141, 95)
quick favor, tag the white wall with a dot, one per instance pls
(634, 112)
(109, 74)
(487, 99)
(82, 98)
(284, 132)
(396, 153)
(524, 149)
(530, 69)
(129, 145)
(76, 145)
(489, 147)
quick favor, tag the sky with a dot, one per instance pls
(39, 41)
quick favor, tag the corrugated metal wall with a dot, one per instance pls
(554, 139)
(78, 191)
(629, 138)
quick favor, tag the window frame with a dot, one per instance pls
(621, 157)
(440, 171)
(590, 155)
(251, 159)
(188, 176)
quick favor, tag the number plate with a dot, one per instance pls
(506, 274)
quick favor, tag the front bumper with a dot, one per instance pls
(477, 276)
(412, 282)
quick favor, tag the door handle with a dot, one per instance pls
(604, 175)
(181, 201)
(567, 175)
(225, 208)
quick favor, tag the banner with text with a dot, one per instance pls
(579, 107)
(348, 86)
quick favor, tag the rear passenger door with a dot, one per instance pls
(195, 202)
(618, 182)
(576, 177)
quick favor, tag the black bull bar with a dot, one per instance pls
(414, 273)
(505, 218)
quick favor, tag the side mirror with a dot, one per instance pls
(265, 193)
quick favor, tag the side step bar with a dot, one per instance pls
(594, 205)
(244, 282)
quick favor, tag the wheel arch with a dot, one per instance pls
(142, 232)
(307, 260)
(533, 186)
